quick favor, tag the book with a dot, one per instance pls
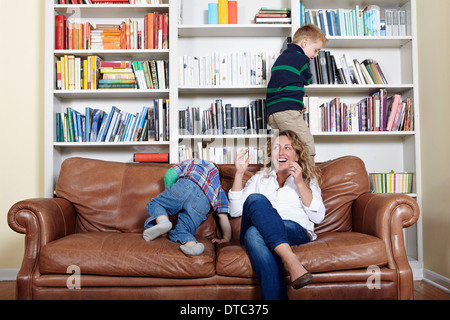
(223, 11)
(232, 12)
(151, 157)
(213, 13)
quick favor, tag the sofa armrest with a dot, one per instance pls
(384, 216)
(41, 220)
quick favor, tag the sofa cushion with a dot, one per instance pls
(331, 251)
(125, 254)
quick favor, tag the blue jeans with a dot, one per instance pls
(186, 198)
(262, 229)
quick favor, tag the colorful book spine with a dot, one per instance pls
(223, 11)
(213, 13)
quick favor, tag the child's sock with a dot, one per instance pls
(157, 230)
(194, 250)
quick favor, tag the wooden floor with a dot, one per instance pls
(422, 291)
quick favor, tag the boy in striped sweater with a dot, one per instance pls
(286, 88)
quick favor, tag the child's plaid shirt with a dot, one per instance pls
(206, 175)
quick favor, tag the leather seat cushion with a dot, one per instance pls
(125, 254)
(331, 251)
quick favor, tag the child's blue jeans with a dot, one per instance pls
(262, 229)
(186, 198)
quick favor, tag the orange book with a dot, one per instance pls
(151, 157)
(232, 12)
(150, 31)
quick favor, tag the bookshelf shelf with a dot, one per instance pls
(137, 54)
(112, 93)
(224, 136)
(234, 30)
(253, 89)
(367, 41)
(368, 134)
(109, 144)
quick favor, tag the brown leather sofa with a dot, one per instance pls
(96, 220)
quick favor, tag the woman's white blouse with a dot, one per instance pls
(285, 200)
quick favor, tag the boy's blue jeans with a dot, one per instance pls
(186, 198)
(262, 229)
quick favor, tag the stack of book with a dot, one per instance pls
(226, 69)
(223, 118)
(74, 73)
(221, 154)
(370, 21)
(150, 32)
(152, 74)
(222, 12)
(152, 124)
(391, 182)
(326, 69)
(116, 75)
(378, 112)
(273, 15)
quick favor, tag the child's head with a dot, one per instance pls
(311, 39)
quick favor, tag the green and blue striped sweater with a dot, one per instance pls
(290, 75)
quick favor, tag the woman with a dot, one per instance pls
(279, 207)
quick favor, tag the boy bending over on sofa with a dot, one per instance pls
(192, 189)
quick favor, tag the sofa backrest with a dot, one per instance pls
(112, 196)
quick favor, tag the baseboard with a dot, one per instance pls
(437, 280)
(8, 274)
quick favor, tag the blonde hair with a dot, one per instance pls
(311, 32)
(309, 168)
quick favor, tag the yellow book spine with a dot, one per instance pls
(85, 74)
(66, 73)
(223, 11)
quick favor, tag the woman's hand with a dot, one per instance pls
(241, 162)
(241, 165)
(296, 171)
(304, 192)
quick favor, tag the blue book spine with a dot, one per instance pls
(213, 13)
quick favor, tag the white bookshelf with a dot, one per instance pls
(189, 34)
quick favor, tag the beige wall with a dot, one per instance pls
(434, 84)
(22, 115)
(21, 131)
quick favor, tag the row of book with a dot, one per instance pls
(95, 125)
(370, 21)
(75, 73)
(222, 69)
(222, 12)
(377, 112)
(109, 1)
(223, 118)
(328, 69)
(273, 15)
(391, 182)
(221, 154)
(151, 32)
